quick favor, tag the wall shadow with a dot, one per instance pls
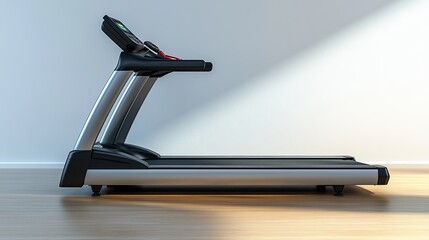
(281, 32)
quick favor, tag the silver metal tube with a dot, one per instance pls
(101, 110)
(122, 108)
(231, 177)
(128, 120)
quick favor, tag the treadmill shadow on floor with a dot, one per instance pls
(230, 190)
(355, 198)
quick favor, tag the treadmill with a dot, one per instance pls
(113, 162)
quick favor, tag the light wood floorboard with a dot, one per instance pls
(32, 206)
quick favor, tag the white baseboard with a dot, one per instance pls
(61, 165)
(31, 164)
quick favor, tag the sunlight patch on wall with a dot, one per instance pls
(362, 92)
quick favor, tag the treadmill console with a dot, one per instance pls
(121, 35)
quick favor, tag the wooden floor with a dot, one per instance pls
(33, 207)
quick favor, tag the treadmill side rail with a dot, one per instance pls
(231, 177)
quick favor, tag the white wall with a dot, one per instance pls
(290, 77)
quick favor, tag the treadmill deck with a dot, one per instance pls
(254, 163)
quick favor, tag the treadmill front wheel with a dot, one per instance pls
(96, 190)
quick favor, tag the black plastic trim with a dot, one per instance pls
(156, 74)
(114, 158)
(383, 175)
(75, 168)
(137, 151)
(346, 157)
(119, 163)
(265, 167)
(255, 163)
(127, 42)
(148, 65)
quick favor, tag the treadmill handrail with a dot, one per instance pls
(139, 62)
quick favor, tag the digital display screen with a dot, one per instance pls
(122, 27)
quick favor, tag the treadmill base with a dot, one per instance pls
(231, 177)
